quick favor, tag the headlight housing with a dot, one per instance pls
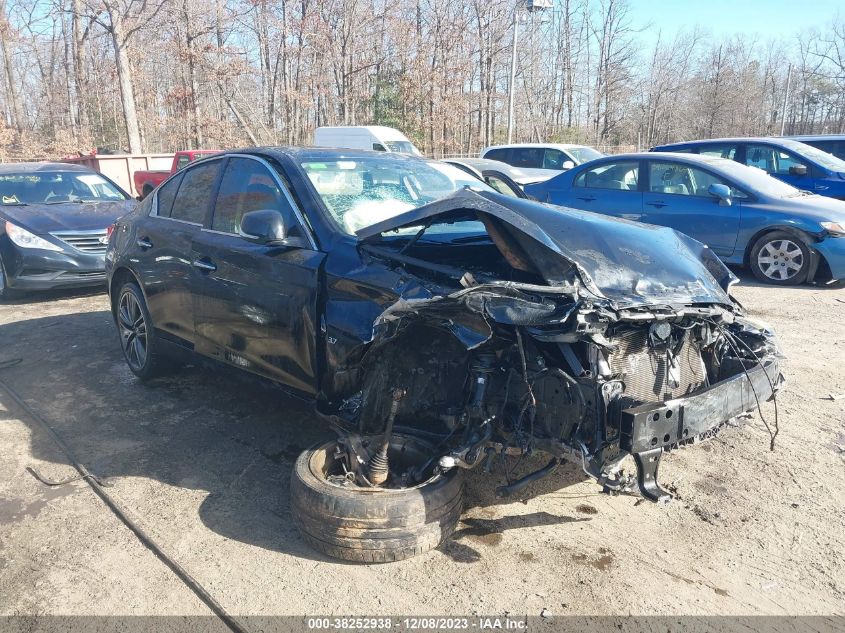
(834, 228)
(25, 239)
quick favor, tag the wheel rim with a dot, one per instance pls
(780, 260)
(133, 330)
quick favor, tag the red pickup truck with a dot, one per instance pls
(146, 181)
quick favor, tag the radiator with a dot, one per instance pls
(644, 372)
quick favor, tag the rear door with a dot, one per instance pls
(255, 305)
(678, 197)
(163, 247)
(611, 188)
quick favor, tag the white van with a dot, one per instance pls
(373, 137)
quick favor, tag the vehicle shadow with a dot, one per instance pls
(217, 431)
(747, 279)
(46, 296)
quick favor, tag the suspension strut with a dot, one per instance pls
(378, 467)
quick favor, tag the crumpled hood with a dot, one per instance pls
(67, 216)
(628, 263)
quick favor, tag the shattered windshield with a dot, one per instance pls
(365, 191)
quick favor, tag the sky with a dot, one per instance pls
(768, 18)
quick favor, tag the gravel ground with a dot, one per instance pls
(201, 461)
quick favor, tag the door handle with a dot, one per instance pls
(144, 242)
(822, 187)
(204, 264)
(588, 198)
(657, 203)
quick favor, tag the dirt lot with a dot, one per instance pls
(202, 461)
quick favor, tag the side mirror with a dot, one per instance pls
(265, 226)
(722, 192)
(798, 170)
(568, 164)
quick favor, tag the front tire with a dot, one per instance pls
(373, 525)
(780, 258)
(141, 349)
(6, 293)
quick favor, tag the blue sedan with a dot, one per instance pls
(798, 164)
(787, 236)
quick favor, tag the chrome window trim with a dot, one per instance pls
(154, 206)
(283, 188)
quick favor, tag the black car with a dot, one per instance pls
(54, 219)
(437, 325)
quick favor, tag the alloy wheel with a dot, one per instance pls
(133, 330)
(780, 259)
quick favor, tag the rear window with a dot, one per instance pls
(166, 195)
(500, 154)
(194, 197)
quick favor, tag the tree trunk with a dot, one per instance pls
(124, 79)
(5, 50)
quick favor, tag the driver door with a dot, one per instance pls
(255, 304)
(780, 164)
(678, 197)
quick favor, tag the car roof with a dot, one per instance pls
(817, 137)
(691, 158)
(552, 145)
(320, 153)
(775, 140)
(17, 168)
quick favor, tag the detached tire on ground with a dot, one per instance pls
(373, 525)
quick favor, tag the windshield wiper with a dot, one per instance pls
(14, 204)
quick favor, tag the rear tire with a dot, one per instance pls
(780, 258)
(372, 525)
(141, 348)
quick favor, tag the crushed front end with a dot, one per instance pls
(569, 343)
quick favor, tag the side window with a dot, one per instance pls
(684, 180)
(247, 186)
(623, 176)
(719, 151)
(194, 195)
(166, 194)
(500, 154)
(771, 159)
(529, 157)
(501, 186)
(183, 161)
(554, 159)
(379, 147)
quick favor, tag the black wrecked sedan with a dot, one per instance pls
(438, 326)
(54, 220)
